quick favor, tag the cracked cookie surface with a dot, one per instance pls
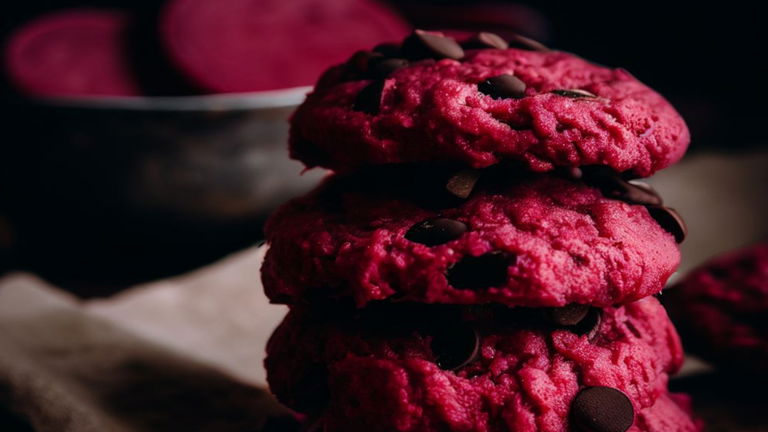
(560, 110)
(529, 241)
(386, 374)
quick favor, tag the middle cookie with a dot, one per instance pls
(524, 241)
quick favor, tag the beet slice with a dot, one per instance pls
(247, 45)
(80, 52)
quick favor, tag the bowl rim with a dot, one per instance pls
(267, 99)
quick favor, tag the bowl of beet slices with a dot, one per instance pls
(180, 107)
(137, 137)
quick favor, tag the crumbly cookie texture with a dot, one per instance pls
(538, 241)
(546, 109)
(393, 372)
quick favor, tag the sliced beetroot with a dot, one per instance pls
(247, 45)
(81, 52)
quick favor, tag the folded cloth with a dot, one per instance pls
(65, 366)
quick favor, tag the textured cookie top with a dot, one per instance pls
(529, 241)
(482, 106)
(722, 308)
(397, 372)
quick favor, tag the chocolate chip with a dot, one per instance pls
(455, 346)
(382, 67)
(388, 49)
(590, 324)
(670, 220)
(433, 232)
(566, 316)
(503, 87)
(613, 186)
(475, 273)
(574, 172)
(522, 42)
(633, 193)
(422, 44)
(641, 193)
(360, 61)
(574, 93)
(369, 98)
(462, 183)
(487, 40)
(601, 409)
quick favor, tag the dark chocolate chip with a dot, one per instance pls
(566, 316)
(503, 87)
(590, 324)
(284, 423)
(476, 273)
(487, 40)
(574, 172)
(369, 98)
(382, 67)
(455, 346)
(360, 61)
(633, 193)
(389, 49)
(523, 42)
(601, 409)
(433, 232)
(422, 44)
(641, 193)
(670, 220)
(613, 186)
(462, 183)
(574, 93)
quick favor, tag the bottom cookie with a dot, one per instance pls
(425, 368)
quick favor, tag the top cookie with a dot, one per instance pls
(430, 100)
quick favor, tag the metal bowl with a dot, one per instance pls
(219, 157)
(91, 176)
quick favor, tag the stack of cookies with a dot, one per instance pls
(482, 259)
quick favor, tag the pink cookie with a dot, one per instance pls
(432, 101)
(83, 52)
(425, 368)
(527, 241)
(722, 307)
(244, 45)
(670, 413)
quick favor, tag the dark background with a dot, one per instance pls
(707, 58)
